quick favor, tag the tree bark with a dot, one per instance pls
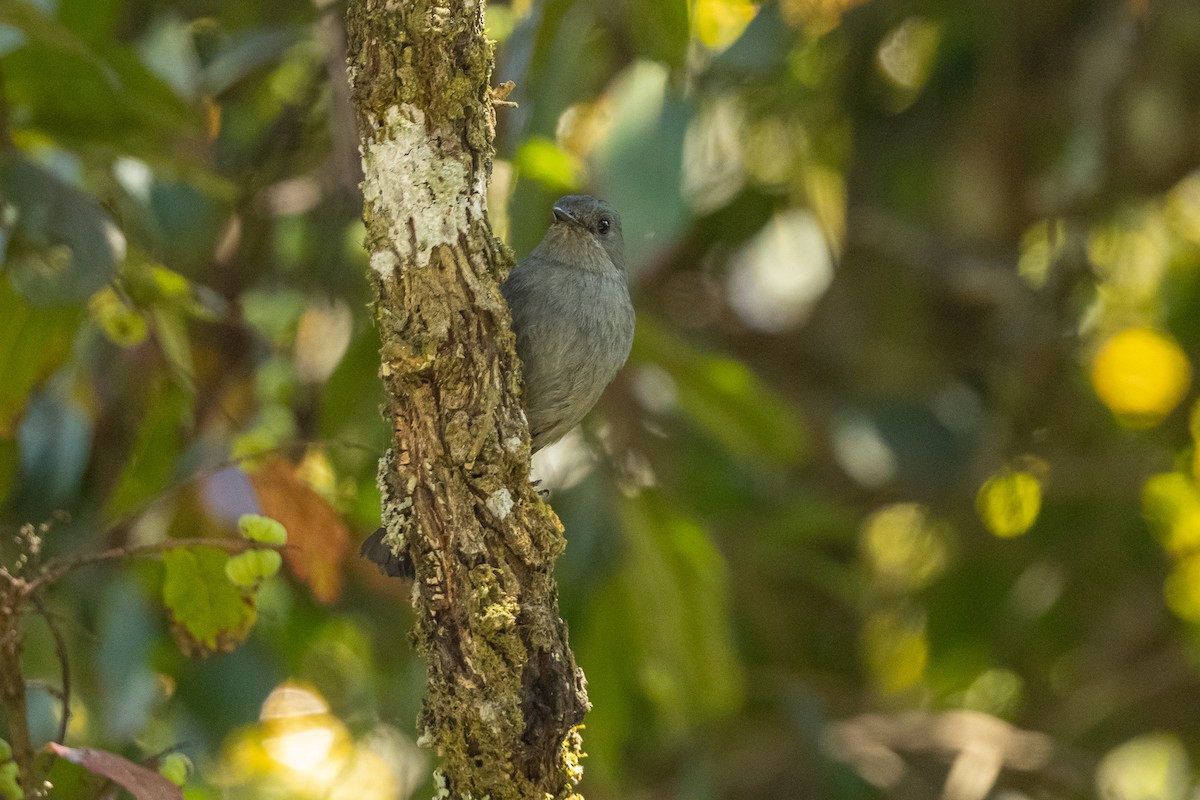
(504, 696)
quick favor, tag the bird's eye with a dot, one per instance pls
(603, 226)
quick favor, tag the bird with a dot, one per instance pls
(574, 323)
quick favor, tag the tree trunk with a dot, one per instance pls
(504, 695)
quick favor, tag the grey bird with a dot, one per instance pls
(572, 315)
(574, 323)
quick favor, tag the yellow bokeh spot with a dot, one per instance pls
(1171, 504)
(1151, 767)
(1009, 503)
(1141, 375)
(1041, 246)
(816, 16)
(542, 160)
(997, 692)
(123, 324)
(1194, 426)
(316, 470)
(903, 547)
(1182, 589)
(1130, 259)
(1183, 208)
(300, 750)
(895, 649)
(906, 55)
(718, 23)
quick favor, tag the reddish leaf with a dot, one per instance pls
(142, 783)
(317, 536)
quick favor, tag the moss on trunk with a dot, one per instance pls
(504, 695)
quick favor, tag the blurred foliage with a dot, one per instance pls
(898, 496)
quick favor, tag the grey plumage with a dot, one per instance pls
(574, 323)
(572, 315)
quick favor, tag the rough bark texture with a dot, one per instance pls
(504, 695)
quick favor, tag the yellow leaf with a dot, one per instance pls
(895, 649)
(718, 23)
(1182, 589)
(1171, 505)
(904, 548)
(1009, 503)
(542, 160)
(122, 324)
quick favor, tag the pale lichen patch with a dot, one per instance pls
(421, 195)
(500, 502)
(383, 262)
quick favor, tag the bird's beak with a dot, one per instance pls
(564, 216)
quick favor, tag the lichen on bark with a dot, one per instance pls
(504, 696)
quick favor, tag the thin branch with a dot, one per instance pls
(57, 568)
(12, 689)
(60, 651)
(131, 516)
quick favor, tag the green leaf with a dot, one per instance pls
(248, 569)
(660, 630)
(43, 29)
(208, 613)
(169, 50)
(724, 398)
(760, 51)
(258, 528)
(93, 20)
(639, 166)
(151, 465)
(660, 30)
(33, 343)
(1153, 765)
(246, 54)
(542, 160)
(676, 584)
(177, 768)
(122, 324)
(59, 81)
(10, 459)
(63, 245)
(170, 331)
(55, 439)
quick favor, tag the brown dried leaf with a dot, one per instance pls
(318, 538)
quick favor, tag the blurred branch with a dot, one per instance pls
(343, 159)
(12, 684)
(56, 569)
(60, 652)
(1114, 694)
(977, 747)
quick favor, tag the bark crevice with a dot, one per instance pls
(504, 695)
